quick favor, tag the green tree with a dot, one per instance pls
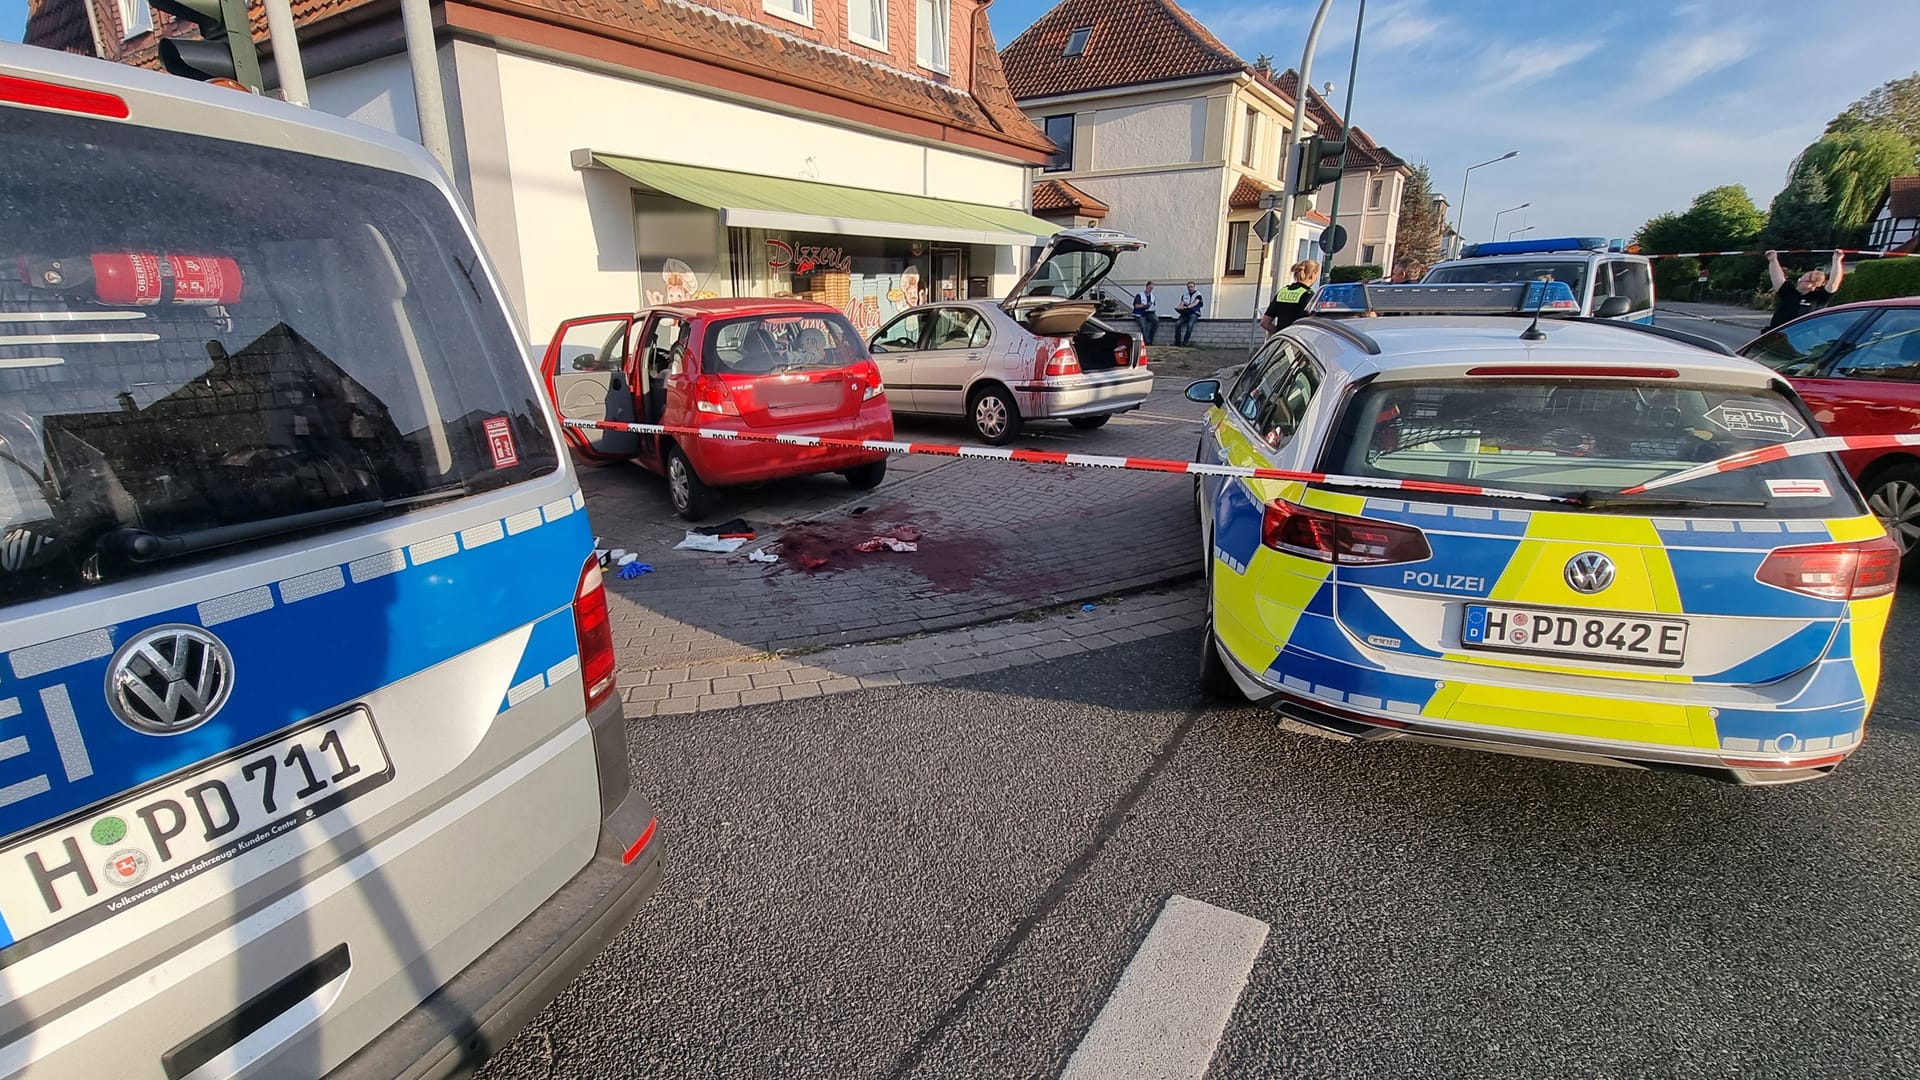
(1418, 235)
(1855, 166)
(1720, 219)
(1802, 214)
(1894, 105)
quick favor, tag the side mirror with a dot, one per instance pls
(1613, 307)
(877, 349)
(1206, 391)
(588, 362)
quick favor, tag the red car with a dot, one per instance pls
(784, 367)
(1858, 367)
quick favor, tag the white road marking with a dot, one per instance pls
(1167, 1016)
(1168, 419)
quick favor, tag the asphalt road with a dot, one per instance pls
(948, 882)
(1727, 333)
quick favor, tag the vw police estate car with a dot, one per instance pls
(310, 757)
(1469, 570)
(1607, 281)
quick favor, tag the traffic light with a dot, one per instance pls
(1314, 171)
(225, 50)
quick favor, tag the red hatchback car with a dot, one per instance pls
(1858, 367)
(783, 367)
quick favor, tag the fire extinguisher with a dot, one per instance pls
(139, 278)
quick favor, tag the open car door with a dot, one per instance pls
(585, 372)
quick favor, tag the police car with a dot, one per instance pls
(1607, 281)
(1527, 536)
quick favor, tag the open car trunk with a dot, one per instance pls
(1100, 347)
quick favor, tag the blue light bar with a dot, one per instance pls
(1535, 247)
(1510, 298)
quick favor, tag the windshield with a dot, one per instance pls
(1589, 439)
(203, 338)
(775, 344)
(1571, 271)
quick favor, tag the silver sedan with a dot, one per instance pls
(1040, 354)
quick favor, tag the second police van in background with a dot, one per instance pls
(1607, 281)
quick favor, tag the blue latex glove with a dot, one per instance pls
(635, 569)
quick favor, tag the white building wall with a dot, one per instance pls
(1167, 133)
(378, 93)
(1178, 214)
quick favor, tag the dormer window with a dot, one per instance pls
(1077, 44)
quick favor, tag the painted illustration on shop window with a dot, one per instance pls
(678, 284)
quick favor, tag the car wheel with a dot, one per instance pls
(691, 496)
(868, 477)
(995, 417)
(1894, 496)
(1216, 684)
(1088, 423)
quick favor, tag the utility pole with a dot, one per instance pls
(1346, 136)
(286, 51)
(416, 20)
(1283, 243)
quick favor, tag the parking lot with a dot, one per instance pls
(923, 815)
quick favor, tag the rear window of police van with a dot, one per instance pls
(1591, 437)
(206, 345)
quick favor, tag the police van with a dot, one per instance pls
(311, 761)
(1607, 280)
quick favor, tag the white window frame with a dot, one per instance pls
(880, 42)
(1376, 193)
(1081, 34)
(136, 18)
(931, 50)
(787, 12)
(1250, 139)
(1367, 254)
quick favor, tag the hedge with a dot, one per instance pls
(1362, 272)
(1880, 279)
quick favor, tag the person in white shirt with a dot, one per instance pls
(1188, 312)
(1143, 311)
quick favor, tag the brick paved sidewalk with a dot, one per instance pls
(669, 691)
(996, 539)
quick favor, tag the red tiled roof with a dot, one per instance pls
(1903, 196)
(59, 24)
(1362, 151)
(1246, 193)
(1316, 217)
(1133, 42)
(1060, 197)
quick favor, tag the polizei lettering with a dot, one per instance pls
(1427, 579)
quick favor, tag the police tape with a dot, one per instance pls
(1861, 252)
(1746, 459)
(1086, 461)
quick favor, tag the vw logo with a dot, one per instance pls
(1589, 572)
(169, 679)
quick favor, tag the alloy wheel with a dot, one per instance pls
(1897, 503)
(679, 484)
(990, 416)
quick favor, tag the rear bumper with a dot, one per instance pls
(729, 461)
(1348, 721)
(1084, 395)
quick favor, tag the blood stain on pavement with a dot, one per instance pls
(949, 562)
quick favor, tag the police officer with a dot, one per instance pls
(1290, 303)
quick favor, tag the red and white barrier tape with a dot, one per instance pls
(1088, 461)
(1862, 252)
(1776, 452)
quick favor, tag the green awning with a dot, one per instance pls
(748, 200)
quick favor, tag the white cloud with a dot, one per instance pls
(1520, 65)
(1685, 58)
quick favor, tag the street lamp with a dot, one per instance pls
(1462, 219)
(1517, 232)
(1495, 233)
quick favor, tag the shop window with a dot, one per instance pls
(1060, 131)
(867, 23)
(800, 11)
(1237, 247)
(932, 25)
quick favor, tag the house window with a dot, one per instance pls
(867, 23)
(1059, 129)
(800, 11)
(1077, 44)
(1368, 251)
(1237, 247)
(136, 18)
(930, 34)
(1376, 192)
(1250, 138)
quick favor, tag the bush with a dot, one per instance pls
(1362, 272)
(1674, 279)
(1881, 279)
(1762, 299)
(1737, 274)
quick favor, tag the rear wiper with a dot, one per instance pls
(144, 545)
(1613, 500)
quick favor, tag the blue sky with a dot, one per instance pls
(1619, 110)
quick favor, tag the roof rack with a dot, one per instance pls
(1495, 298)
(1667, 332)
(1347, 330)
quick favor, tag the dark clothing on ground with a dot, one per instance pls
(1789, 303)
(1290, 305)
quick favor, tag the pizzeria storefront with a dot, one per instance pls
(707, 233)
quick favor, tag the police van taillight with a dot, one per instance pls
(1338, 538)
(595, 635)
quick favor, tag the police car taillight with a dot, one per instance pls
(1339, 538)
(594, 635)
(1834, 571)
